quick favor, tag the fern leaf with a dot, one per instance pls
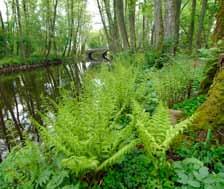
(118, 156)
(80, 164)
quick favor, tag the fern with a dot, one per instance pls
(87, 132)
(118, 156)
(157, 132)
(30, 167)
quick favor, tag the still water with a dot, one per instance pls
(24, 95)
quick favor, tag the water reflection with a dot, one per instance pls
(21, 98)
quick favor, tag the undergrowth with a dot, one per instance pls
(116, 134)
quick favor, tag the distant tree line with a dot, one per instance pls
(43, 27)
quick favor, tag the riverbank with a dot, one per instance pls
(15, 64)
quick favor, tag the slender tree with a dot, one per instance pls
(131, 16)
(158, 33)
(201, 23)
(192, 25)
(2, 22)
(121, 23)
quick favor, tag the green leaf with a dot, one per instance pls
(183, 178)
(194, 183)
(203, 172)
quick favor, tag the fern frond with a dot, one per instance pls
(176, 130)
(80, 164)
(118, 156)
(150, 144)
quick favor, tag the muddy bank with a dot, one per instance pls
(25, 67)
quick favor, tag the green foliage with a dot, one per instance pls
(138, 171)
(96, 40)
(133, 172)
(3, 44)
(211, 155)
(30, 167)
(211, 58)
(178, 80)
(189, 106)
(145, 93)
(156, 59)
(116, 111)
(92, 138)
(191, 173)
(157, 132)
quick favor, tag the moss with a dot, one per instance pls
(210, 74)
(211, 113)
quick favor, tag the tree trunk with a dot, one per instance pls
(52, 29)
(169, 20)
(191, 29)
(2, 22)
(121, 23)
(116, 29)
(4, 130)
(177, 32)
(112, 24)
(158, 25)
(21, 44)
(131, 17)
(219, 29)
(104, 25)
(201, 23)
(25, 25)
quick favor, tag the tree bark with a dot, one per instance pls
(169, 20)
(192, 25)
(219, 29)
(52, 29)
(104, 25)
(201, 23)
(4, 130)
(21, 43)
(158, 25)
(177, 32)
(171, 23)
(131, 17)
(2, 22)
(121, 23)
